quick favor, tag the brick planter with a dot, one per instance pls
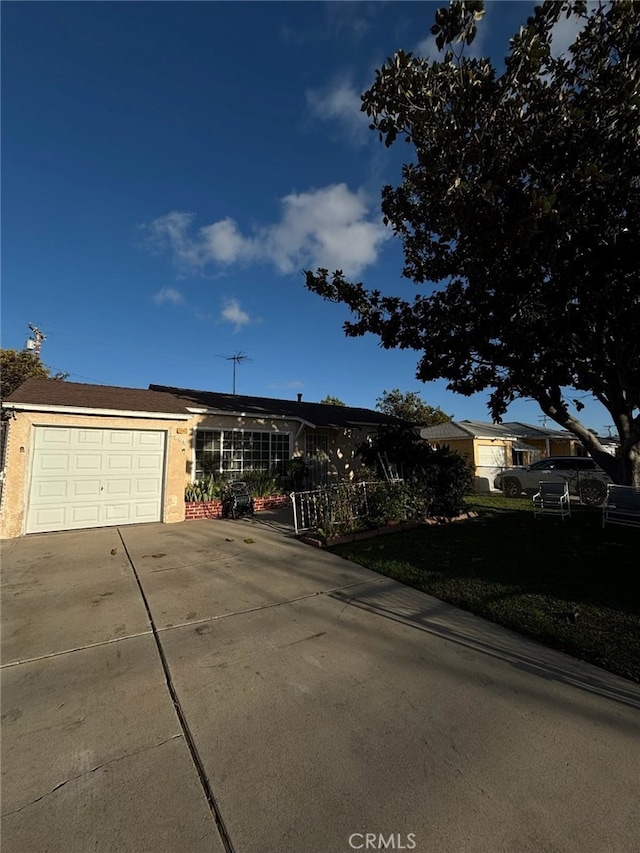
(213, 509)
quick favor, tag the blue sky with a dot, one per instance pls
(170, 168)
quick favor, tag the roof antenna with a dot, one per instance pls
(236, 358)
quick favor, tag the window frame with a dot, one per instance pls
(241, 447)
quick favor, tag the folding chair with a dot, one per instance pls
(552, 499)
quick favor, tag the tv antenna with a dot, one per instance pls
(236, 358)
(608, 428)
(543, 420)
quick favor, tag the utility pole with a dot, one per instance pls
(33, 344)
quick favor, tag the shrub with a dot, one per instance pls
(262, 484)
(298, 471)
(208, 489)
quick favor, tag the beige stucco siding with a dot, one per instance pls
(342, 446)
(19, 453)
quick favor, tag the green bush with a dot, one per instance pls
(298, 471)
(208, 489)
(262, 484)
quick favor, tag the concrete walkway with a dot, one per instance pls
(216, 685)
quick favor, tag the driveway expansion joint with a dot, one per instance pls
(76, 649)
(268, 606)
(188, 736)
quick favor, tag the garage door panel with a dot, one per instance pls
(147, 464)
(118, 488)
(53, 462)
(146, 486)
(85, 489)
(145, 511)
(49, 518)
(89, 437)
(46, 490)
(84, 463)
(121, 438)
(151, 440)
(119, 462)
(54, 437)
(118, 513)
(92, 477)
(87, 515)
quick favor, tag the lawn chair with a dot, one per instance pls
(237, 500)
(552, 499)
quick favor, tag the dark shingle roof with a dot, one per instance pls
(54, 392)
(318, 414)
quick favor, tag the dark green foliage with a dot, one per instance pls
(330, 400)
(410, 407)
(16, 366)
(298, 471)
(519, 215)
(262, 484)
(437, 479)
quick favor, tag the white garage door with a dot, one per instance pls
(491, 456)
(490, 460)
(94, 478)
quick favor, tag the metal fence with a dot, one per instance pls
(318, 508)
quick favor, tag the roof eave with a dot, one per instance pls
(89, 410)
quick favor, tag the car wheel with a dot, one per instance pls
(511, 487)
(592, 492)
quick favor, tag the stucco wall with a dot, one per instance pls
(19, 451)
(180, 453)
(557, 447)
(341, 444)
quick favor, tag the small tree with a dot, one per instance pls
(410, 407)
(438, 479)
(16, 366)
(330, 400)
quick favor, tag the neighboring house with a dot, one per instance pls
(490, 447)
(92, 456)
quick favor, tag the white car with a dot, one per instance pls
(585, 478)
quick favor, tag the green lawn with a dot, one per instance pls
(570, 585)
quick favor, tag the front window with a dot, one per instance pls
(236, 451)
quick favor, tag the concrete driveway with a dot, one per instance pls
(216, 685)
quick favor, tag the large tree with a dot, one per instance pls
(410, 407)
(519, 218)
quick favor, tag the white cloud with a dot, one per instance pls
(233, 313)
(329, 227)
(223, 242)
(167, 294)
(340, 102)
